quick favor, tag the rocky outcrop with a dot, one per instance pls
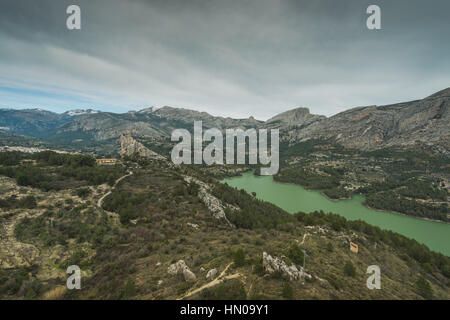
(193, 225)
(374, 127)
(131, 147)
(274, 264)
(181, 268)
(293, 118)
(214, 205)
(211, 274)
(176, 268)
(189, 276)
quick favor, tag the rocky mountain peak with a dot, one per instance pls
(149, 109)
(295, 117)
(441, 94)
(130, 147)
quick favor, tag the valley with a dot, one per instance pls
(141, 227)
(158, 216)
(292, 198)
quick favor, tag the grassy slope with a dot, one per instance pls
(128, 261)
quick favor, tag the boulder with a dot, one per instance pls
(193, 225)
(181, 268)
(177, 268)
(211, 274)
(189, 276)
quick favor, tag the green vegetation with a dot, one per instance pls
(288, 292)
(230, 290)
(349, 269)
(295, 254)
(390, 201)
(417, 160)
(20, 281)
(53, 228)
(130, 290)
(239, 258)
(329, 179)
(412, 248)
(128, 260)
(408, 181)
(248, 219)
(253, 213)
(126, 204)
(337, 193)
(83, 192)
(28, 202)
(424, 289)
(54, 171)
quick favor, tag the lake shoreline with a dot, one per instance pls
(406, 215)
(294, 198)
(363, 203)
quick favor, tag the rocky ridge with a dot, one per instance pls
(367, 128)
(130, 147)
(274, 264)
(214, 205)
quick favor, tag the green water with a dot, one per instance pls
(293, 198)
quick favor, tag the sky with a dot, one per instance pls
(236, 58)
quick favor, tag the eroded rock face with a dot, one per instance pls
(211, 274)
(213, 204)
(181, 268)
(293, 118)
(275, 264)
(130, 147)
(374, 127)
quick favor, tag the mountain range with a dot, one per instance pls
(423, 121)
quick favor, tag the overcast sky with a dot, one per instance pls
(227, 57)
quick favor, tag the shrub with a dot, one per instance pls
(349, 269)
(424, 289)
(288, 292)
(239, 258)
(83, 192)
(330, 247)
(230, 290)
(129, 290)
(295, 254)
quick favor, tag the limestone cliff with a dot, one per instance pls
(130, 147)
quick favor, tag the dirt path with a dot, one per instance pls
(221, 278)
(100, 201)
(14, 253)
(304, 237)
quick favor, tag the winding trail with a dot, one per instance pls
(221, 278)
(100, 201)
(304, 237)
